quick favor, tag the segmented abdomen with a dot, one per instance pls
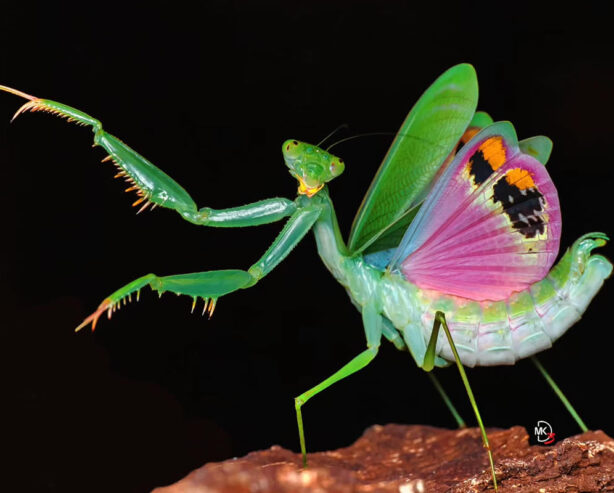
(501, 332)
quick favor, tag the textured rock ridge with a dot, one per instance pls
(416, 459)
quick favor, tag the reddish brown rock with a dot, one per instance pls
(413, 459)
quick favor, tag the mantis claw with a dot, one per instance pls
(208, 286)
(151, 183)
(106, 305)
(115, 300)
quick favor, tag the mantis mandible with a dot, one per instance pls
(459, 231)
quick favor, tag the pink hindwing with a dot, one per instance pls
(490, 226)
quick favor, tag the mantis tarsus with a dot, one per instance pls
(458, 231)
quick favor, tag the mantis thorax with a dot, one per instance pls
(310, 165)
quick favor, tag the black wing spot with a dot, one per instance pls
(479, 168)
(523, 207)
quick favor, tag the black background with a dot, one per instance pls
(208, 95)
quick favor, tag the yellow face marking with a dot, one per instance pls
(493, 151)
(303, 189)
(520, 178)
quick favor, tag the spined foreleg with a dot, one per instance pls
(209, 286)
(153, 186)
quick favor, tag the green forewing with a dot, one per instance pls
(428, 135)
(393, 234)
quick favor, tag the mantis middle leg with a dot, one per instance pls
(374, 325)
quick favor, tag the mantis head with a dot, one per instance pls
(310, 165)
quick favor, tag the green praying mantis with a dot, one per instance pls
(459, 231)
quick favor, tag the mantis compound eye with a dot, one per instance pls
(337, 166)
(289, 145)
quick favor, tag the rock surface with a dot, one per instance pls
(415, 459)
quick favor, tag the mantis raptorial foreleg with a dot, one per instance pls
(211, 285)
(152, 185)
(155, 187)
(429, 364)
(374, 325)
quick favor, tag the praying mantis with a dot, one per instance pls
(451, 253)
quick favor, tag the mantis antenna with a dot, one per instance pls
(371, 134)
(342, 126)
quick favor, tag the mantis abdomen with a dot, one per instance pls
(486, 333)
(501, 332)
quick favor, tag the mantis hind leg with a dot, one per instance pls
(374, 324)
(560, 394)
(448, 402)
(429, 363)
